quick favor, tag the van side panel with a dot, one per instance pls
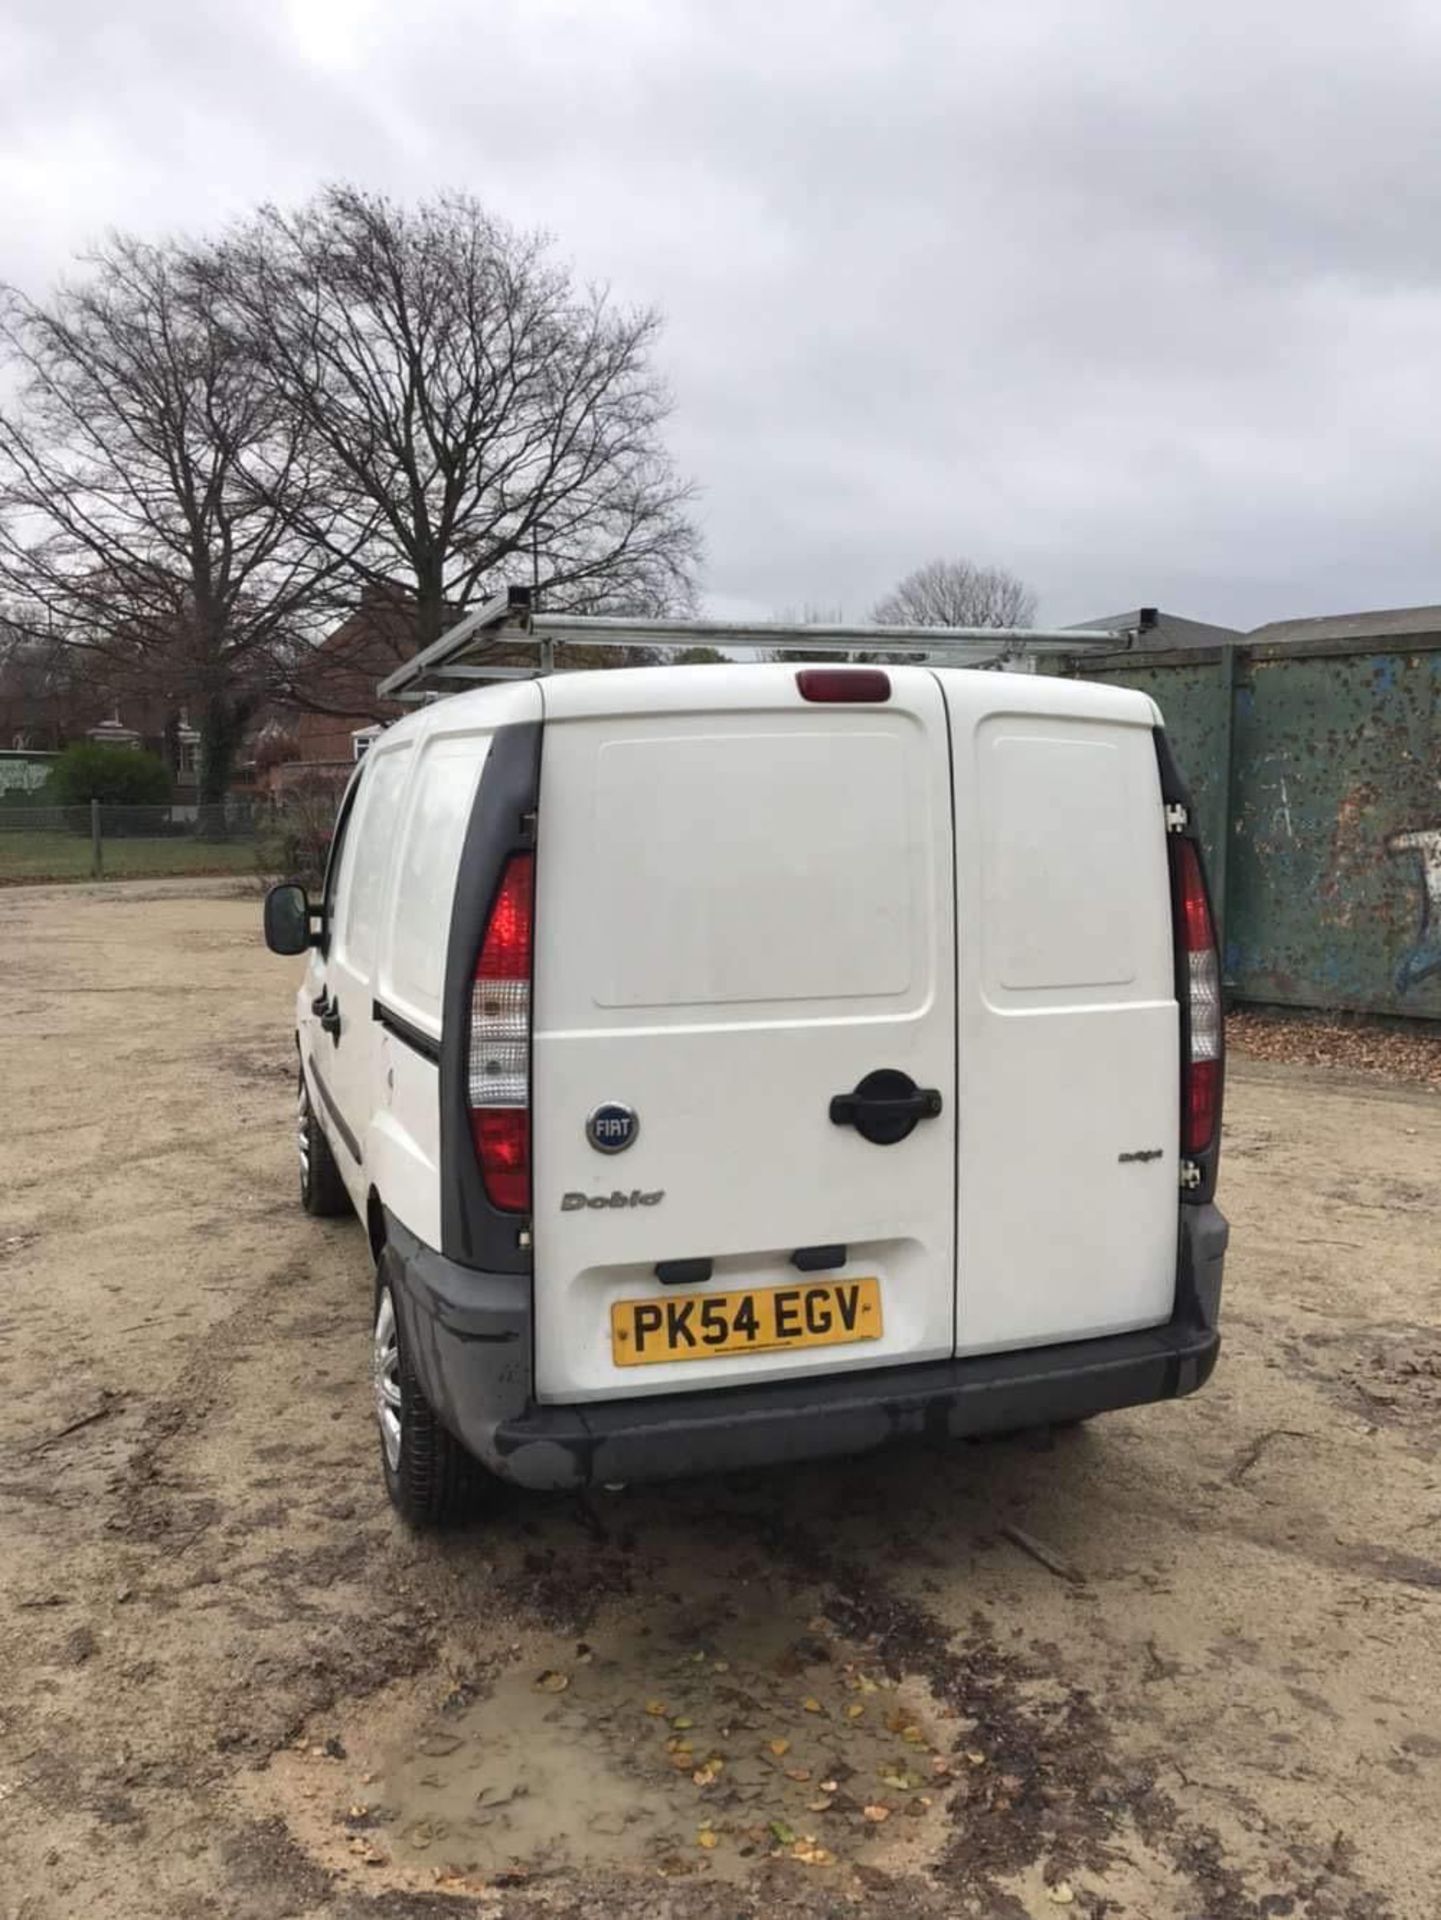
(403, 1149)
(345, 1063)
(742, 910)
(1068, 1054)
(397, 1018)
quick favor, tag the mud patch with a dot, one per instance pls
(1389, 1375)
(701, 1746)
(259, 1069)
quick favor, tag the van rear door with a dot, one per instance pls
(744, 911)
(1068, 1096)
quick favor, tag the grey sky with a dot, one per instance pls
(1142, 300)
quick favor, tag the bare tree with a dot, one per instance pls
(477, 418)
(129, 521)
(36, 676)
(956, 593)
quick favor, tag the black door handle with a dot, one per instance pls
(329, 1012)
(885, 1106)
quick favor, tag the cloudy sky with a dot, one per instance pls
(1141, 298)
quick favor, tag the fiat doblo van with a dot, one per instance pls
(740, 1064)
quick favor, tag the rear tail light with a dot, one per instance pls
(1204, 1043)
(499, 1076)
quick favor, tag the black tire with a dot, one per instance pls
(322, 1191)
(432, 1481)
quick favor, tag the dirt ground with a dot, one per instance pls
(234, 1686)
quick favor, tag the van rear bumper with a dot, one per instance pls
(468, 1335)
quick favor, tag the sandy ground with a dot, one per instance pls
(234, 1686)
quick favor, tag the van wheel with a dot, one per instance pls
(322, 1191)
(428, 1474)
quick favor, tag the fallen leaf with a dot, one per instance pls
(678, 1744)
(798, 1773)
(811, 1855)
(778, 1747)
(976, 1758)
(706, 1776)
(866, 1685)
(818, 1806)
(854, 1713)
(721, 1666)
(914, 1736)
(829, 1786)
(877, 1813)
(783, 1833)
(707, 1838)
(551, 1682)
(1060, 1895)
(811, 1704)
(657, 1709)
(681, 1722)
(940, 1764)
(897, 1720)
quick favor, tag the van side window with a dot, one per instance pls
(413, 964)
(372, 836)
(335, 857)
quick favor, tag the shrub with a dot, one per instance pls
(295, 841)
(115, 776)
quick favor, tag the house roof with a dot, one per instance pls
(1157, 630)
(1384, 623)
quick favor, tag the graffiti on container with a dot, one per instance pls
(1424, 958)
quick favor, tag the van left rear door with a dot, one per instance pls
(744, 915)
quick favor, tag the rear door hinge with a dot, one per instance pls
(1178, 818)
(1191, 1175)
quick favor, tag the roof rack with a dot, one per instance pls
(457, 658)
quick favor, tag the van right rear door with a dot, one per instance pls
(1068, 1048)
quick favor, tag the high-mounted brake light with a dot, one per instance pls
(844, 684)
(1205, 1044)
(499, 1077)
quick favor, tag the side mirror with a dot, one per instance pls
(287, 919)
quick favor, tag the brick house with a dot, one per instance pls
(337, 712)
(44, 710)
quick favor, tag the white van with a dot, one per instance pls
(739, 1064)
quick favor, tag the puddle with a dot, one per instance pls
(731, 1732)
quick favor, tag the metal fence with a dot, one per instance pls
(1316, 772)
(104, 842)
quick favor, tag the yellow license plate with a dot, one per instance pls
(700, 1326)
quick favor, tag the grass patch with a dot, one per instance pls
(66, 856)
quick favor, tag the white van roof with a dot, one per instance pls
(620, 691)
